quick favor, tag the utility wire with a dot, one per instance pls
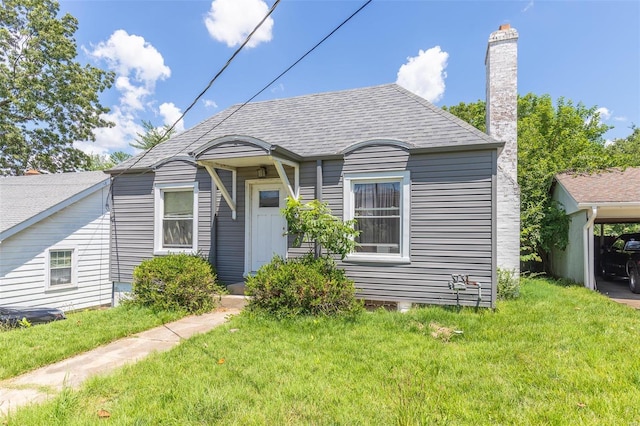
(307, 53)
(195, 101)
(365, 4)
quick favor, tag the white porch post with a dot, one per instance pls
(587, 244)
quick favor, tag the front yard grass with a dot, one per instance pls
(28, 348)
(556, 355)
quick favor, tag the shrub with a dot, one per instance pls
(174, 282)
(508, 284)
(302, 286)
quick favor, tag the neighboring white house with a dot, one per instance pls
(54, 240)
(611, 196)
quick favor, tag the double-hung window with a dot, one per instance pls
(61, 268)
(379, 202)
(176, 218)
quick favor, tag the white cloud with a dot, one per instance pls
(528, 6)
(170, 113)
(605, 114)
(209, 103)
(424, 74)
(132, 96)
(128, 54)
(117, 138)
(231, 21)
(138, 66)
(620, 118)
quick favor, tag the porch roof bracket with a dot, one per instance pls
(230, 199)
(291, 191)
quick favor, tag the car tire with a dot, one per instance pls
(634, 280)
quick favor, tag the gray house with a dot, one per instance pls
(422, 184)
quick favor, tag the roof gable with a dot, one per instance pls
(326, 124)
(25, 200)
(609, 186)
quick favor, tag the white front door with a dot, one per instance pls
(267, 223)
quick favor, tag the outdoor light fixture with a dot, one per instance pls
(262, 172)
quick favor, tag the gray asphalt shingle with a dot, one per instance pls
(609, 186)
(23, 197)
(325, 124)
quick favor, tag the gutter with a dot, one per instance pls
(587, 244)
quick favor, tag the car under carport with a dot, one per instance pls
(591, 201)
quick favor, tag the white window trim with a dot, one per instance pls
(159, 190)
(403, 176)
(74, 269)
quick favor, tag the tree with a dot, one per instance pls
(152, 135)
(47, 99)
(626, 151)
(313, 223)
(105, 162)
(551, 139)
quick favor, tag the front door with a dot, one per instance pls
(268, 225)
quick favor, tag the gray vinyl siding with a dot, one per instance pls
(132, 210)
(131, 223)
(234, 149)
(451, 224)
(229, 240)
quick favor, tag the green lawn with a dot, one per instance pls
(29, 348)
(557, 355)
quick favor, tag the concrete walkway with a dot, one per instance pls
(43, 383)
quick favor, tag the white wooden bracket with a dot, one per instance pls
(230, 199)
(292, 192)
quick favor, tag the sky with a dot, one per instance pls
(164, 53)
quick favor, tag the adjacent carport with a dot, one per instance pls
(606, 197)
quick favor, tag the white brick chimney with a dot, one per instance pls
(502, 124)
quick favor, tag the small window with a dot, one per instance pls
(380, 204)
(269, 199)
(61, 268)
(176, 218)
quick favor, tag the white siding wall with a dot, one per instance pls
(569, 263)
(23, 258)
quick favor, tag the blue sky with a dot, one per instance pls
(165, 52)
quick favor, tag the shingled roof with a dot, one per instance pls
(325, 124)
(610, 186)
(29, 199)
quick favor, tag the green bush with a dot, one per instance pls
(508, 284)
(174, 282)
(302, 286)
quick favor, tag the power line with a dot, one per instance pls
(197, 98)
(307, 53)
(365, 4)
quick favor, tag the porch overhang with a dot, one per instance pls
(235, 163)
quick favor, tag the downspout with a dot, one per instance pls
(587, 245)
